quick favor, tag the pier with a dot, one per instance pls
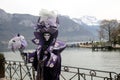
(95, 46)
(16, 70)
(102, 48)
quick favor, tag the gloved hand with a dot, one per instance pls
(24, 54)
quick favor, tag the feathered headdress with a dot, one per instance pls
(49, 17)
(47, 14)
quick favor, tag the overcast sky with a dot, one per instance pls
(101, 9)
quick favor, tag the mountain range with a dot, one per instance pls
(76, 29)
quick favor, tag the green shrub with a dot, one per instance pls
(2, 66)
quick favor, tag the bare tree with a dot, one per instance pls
(118, 34)
(108, 28)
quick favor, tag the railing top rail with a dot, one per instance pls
(89, 69)
(16, 62)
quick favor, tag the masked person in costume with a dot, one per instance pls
(49, 49)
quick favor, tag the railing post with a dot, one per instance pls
(2, 66)
(118, 76)
(78, 74)
(10, 70)
(91, 77)
(20, 71)
(110, 76)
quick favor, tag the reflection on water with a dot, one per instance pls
(84, 58)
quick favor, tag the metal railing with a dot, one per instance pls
(16, 70)
(75, 73)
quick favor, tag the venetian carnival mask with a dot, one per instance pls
(47, 36)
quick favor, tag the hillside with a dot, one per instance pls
(11, 24)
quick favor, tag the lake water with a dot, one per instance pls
(83, 58)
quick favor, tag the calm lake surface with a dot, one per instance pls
(83, 58)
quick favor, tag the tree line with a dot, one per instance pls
(110, 31)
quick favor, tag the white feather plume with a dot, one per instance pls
(47, 14)
(49, 17)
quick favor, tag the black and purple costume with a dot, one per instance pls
(46, 59)
(52, 65)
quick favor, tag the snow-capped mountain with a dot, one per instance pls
(89, 23)
(88, 20)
